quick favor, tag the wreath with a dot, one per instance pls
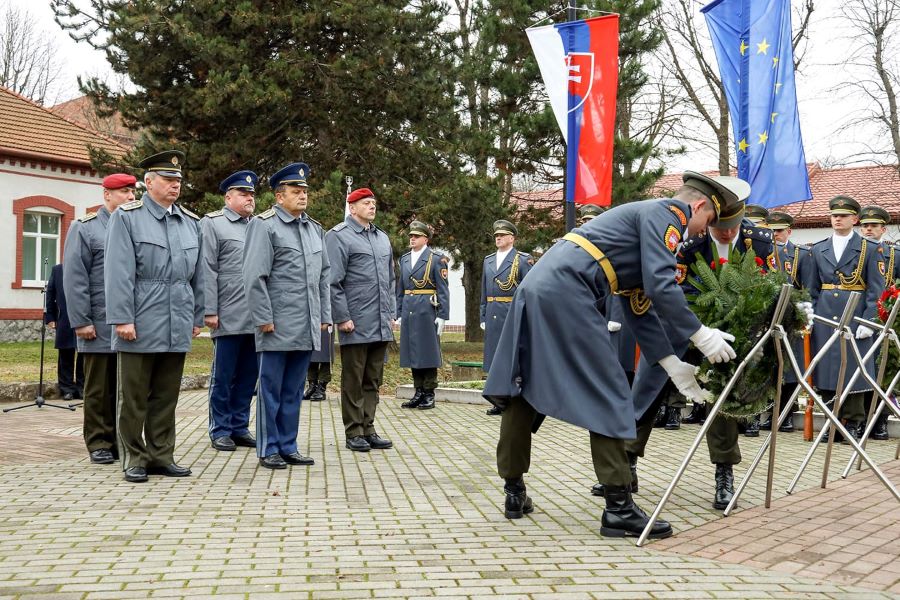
(885, 304)
(738, 295)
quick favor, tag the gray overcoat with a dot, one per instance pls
(83, 279)
(223, 235)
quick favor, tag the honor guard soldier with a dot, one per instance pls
(844, 263)
(86, 304)
(363, 304)
(318, 376)
(757, 215)
(501, 274)
(154, 300)
(286, 277)
(586, 212)
(629, 251)
(423, 306)
(234, 368)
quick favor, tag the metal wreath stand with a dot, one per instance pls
(777, 334)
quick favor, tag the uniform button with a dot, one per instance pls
(835, 294)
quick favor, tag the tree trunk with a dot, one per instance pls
(472, 284)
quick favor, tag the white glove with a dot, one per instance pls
(863, 332)
(482, 326)
(714, 344)
(806, 307)
(682, 375)
(613, 326)
(440, 325)
(398, 321)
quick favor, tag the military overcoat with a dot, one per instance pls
(83, 279)
(497, 288)
(422, 296)
(224, 233)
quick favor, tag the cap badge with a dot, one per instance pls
(175, 160)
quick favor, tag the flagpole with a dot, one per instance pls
(569, 206)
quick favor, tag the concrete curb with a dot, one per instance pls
(445, 394)
(27, 391)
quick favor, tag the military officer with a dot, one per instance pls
(154, 301)
(586, 212)
(363, 305)
(234, 369)
(501, 274)
(319, 374)
(844, 263)
(423, 306)
(86, 304)
(286, 278)
(630, 251)
(757, 214)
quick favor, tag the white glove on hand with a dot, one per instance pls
(806, 307)
(440, 325)
(482, 326)
(613, 326)
(682, 375)
(714, 344)
(863, 332)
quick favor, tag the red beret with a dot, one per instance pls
(359, 194)
(118, 181)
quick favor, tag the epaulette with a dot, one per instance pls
(266, 215)
(757, 233)
(523, 254)
(189, 213)
(88, 217)
(132, 205)
(490, 255)
(408, 252)
(215, 213)
(339, 226)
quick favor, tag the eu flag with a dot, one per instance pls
(752, 40)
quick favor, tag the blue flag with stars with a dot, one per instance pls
(752, 40)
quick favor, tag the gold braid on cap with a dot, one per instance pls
(426, 280)
(511, 281)
(739, 206)
(855, 278)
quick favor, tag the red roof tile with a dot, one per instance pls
(83, 112)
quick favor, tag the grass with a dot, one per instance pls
(19, 362)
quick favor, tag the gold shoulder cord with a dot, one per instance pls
(511, 281)
(889, 272)
(426, 280)
(637, 300)
(794, 265)
(855, 278)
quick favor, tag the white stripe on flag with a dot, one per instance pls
(547, 45)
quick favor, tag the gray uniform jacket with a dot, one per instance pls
(555, 350)
(495, 301)
(362, 282)
(83, 279)
(829, 296)
(286, 278)
(223, 234)
(153, 276)
(420, 346)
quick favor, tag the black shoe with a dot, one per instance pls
(673, 418)
(68, 397)
(788, 425)
(517, 504)
(623, 518)
(136, 474)
(358, 444)
(169, 470)
(224, 444)
(853, 429)
(752, 429)
(724, 486)
(103, 456)
(880, 432)
(318, 394)
(766, 425)
(297, 459)
(311, 387)
(698, 414)
(598, 490)
(415, 401)
(244, 441)
(376, 442)
(272, 461)
(493, 411)
(427, 400)
(660, 417)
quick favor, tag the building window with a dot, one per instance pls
(40, 246)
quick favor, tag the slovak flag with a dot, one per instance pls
(579, 64)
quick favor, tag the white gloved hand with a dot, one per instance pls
(714, 344)
(807, 308)
(440, 325)
(482, 326)
(863, 332)
(682, 375)
(613, 326)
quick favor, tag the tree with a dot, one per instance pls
(29, 62)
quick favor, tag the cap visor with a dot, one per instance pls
(172, 174)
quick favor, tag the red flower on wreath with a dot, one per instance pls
(712, 265)
(886, 303)
(760, 262)
(722, 261)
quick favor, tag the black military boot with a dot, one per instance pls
(415, 401)
(518, 504)
(623, 518)
(880, 432)
(319, 393)
(310, 388)
(766, 424)
(494, 411)
(660, 417)
(724, 486)
(752, 427)
(427, 400)
(852, 428)
(673, 418)
(600, 490)
(698, 414)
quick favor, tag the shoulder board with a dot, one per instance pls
(189, 213)
(88, 217)
(339, 227)
(490, 255)
(821, 241)
(408, 252)
(132, 205)
(266, 215)
(758, 233)
(525, 254)
(215, 213)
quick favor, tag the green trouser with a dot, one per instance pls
(853, 407)
(147, 393)
(99, 401)
(514, 447)
(425, 378)
(319, 371)
(673, 398)
(362, 367)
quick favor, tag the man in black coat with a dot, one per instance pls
(70, 372)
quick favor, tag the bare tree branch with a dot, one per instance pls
(29, 63)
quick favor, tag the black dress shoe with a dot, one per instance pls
(698, 414)
(724, 486)
(427, 400)
(752, 429)
(788, 425)
(376, 442)
(318, 394)
(224, 444)
(493, 411)
(102, 457)
(660, 420)
(766, 425)
(136, 474)
(880, 432)
(297, 459)
(673, 418)
(358, 444)
(169, 470)
(310, 388)
(623, 518)
(853, 429)
(68, 397)
(273, 461)
(415, 401)
(517, 504)
(244, 441)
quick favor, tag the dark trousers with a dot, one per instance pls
(233, 379)
(514, 447)
(319, 371)
(362, 367)
(425, 378)
(70, 372)
(281, 376)
(853, 407)
(147, 393)
(99, 401)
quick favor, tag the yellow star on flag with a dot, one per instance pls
(743, 145)
(762, 47)
(773, 116)
(777, 87)
(744, 47)
(774, 62)
(763, 137)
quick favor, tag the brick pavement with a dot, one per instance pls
(422, 520)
